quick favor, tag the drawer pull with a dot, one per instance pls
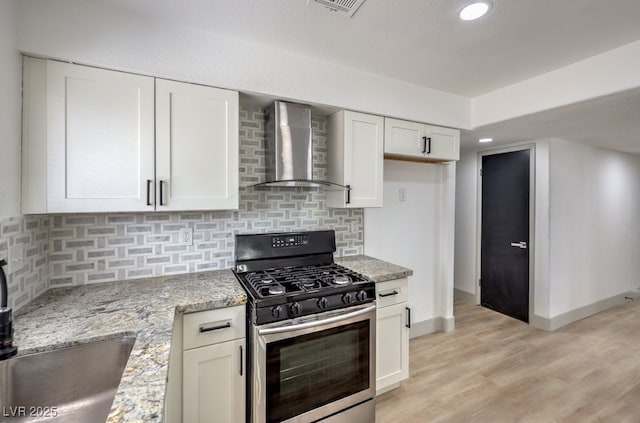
(388, 294)
(208, 327)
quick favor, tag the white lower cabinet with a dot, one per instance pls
(214, 383)
(392, 334)
(213, 366)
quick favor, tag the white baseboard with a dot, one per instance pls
(464, 296)
(448, 325)
(437, 324)
(556, 322)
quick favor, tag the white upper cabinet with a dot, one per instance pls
(405, 140)
(196, 147)
(355, 159)
(88, 139)
(96, 140)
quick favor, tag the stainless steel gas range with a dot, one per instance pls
(311, 331)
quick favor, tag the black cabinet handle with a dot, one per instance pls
(240, 360)
(348, 193)
(427, 145)
(408, 325)
(205, 328)
(161, 193)
(388, 294)
(149, 182)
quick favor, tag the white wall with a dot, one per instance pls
(10, 110)
(594, 227)
(411, 233)
(465, 220)
(466, 267)
(587, 237)
(95, 34)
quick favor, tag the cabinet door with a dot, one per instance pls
(196, 147)
(392, 346)
(363, 159)
(214, 383)
(403, 137)
(355, 158)
(100, 139)
(445, 143)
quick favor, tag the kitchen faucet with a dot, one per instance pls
(6, 327)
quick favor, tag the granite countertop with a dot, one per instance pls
(145, 307)
(377, 270)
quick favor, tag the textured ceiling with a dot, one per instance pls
(424, 42)
(419, 41)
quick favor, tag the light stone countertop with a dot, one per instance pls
(146, 308)
(377, 270)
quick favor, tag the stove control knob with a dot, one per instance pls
(361, 296)
(347, 298)
(277, 312)
(295, 309)
(323, 303)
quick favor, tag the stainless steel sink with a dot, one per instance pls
(73, 384)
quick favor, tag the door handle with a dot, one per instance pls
(408, 324)
(161, 192)
(521, 244)
(149, 181)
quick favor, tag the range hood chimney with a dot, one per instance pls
(289, 146)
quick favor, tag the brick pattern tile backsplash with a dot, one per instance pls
(90, 248)
(33, 279)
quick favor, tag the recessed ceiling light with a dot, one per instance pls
(485, 140)
(475, 10)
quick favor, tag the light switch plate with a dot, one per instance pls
(402, 194)
(16, 259)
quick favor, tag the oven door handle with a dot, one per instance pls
(314, 323)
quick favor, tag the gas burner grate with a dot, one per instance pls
(288, 280)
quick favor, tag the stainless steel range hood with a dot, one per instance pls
(289, 146)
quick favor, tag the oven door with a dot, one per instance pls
(309, 368)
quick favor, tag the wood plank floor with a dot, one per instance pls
(496, 369)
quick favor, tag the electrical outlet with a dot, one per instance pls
(402, 194)
(16, 259)
(186, 236)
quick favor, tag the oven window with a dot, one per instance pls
(309, 371)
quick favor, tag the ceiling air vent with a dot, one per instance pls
(346, 7)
